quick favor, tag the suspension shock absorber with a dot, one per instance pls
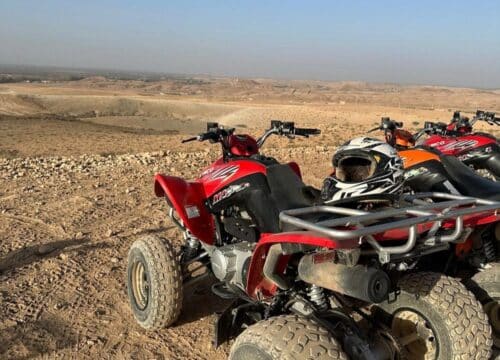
(489, 249)
(191, 243)
(486, 247)
(317, 296)
(191, 246)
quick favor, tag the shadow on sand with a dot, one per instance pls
(38, 338)
(31, 254)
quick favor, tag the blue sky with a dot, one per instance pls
(424, 42)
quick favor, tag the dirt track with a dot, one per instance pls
(67, 220)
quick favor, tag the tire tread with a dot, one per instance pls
(468, 325)
(166, 281)
(290, 337)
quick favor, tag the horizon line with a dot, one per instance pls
(70, 69)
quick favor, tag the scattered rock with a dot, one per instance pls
(59, 306)
(45, 249)
(100, 312)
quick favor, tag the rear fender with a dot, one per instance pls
(258, 286)
(188, 200)
(486, 157)
(493, 163)
(474, 220)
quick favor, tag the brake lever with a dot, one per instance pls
(190, 139)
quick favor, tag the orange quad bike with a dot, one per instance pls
(428, 170)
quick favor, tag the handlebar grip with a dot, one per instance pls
(190, 139)
(307, 132)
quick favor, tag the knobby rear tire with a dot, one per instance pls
(486, 287)
(286, 337)
(456, 318)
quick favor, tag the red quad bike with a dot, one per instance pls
(475, 261)
(478, 150)
(309, 281)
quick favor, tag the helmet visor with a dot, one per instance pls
(355, 167)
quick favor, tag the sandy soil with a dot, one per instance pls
(76, 167)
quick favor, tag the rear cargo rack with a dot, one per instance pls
(424, 208)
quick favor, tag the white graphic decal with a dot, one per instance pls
(459, 145)
(223, 173)
(227, 192)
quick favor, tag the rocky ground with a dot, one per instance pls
(76, 190)
(66, 224)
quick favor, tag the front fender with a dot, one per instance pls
(188, 200)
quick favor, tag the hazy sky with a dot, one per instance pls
(425, 42)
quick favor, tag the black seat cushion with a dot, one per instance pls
(284, 190)
(287, 189)
(468, 182)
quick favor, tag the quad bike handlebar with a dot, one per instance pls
(288, 129)
(214, 133)
(430, 128)
(217, 133)
(456, 126)
(394, 134)
(459, 124)
(386, 124)
(486, 116)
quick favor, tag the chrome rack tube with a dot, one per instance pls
(365, 224)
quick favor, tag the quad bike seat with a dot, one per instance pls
(285, 190)
(468, 182)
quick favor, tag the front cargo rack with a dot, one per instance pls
(423, 208)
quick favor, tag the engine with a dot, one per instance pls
(230, 263)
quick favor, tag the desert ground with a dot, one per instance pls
(77, 160)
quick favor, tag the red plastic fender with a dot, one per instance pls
(187, 198)
(450, 145)
(260, 287)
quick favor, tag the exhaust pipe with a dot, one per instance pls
(359, 281)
